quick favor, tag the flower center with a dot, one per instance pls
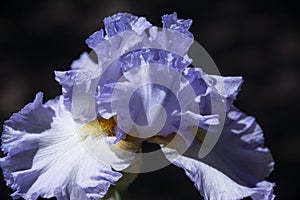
(99, 127)
(107, 125)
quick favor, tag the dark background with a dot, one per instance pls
(258, 40)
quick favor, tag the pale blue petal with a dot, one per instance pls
(131, 100)
(237, 165)
(124, 21)
(214, 184)
(242, 140)
(79, 87)
(126, 63)
(172, 22)
(66, 80)
(47, 159)
(212, 89)
(95, 39)
(34, 113)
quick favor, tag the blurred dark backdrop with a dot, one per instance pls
(258, 40)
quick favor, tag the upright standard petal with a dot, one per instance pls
(237, 165)
(124, 21)
(79, 86)
(135, 98)
(172, 22)
(95, 39)
(123, 48)
(45, 156)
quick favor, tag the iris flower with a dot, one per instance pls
(138, 86)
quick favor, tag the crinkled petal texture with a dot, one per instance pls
(236, 167)
(124, 35)
(125, 48)
(45, 157)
